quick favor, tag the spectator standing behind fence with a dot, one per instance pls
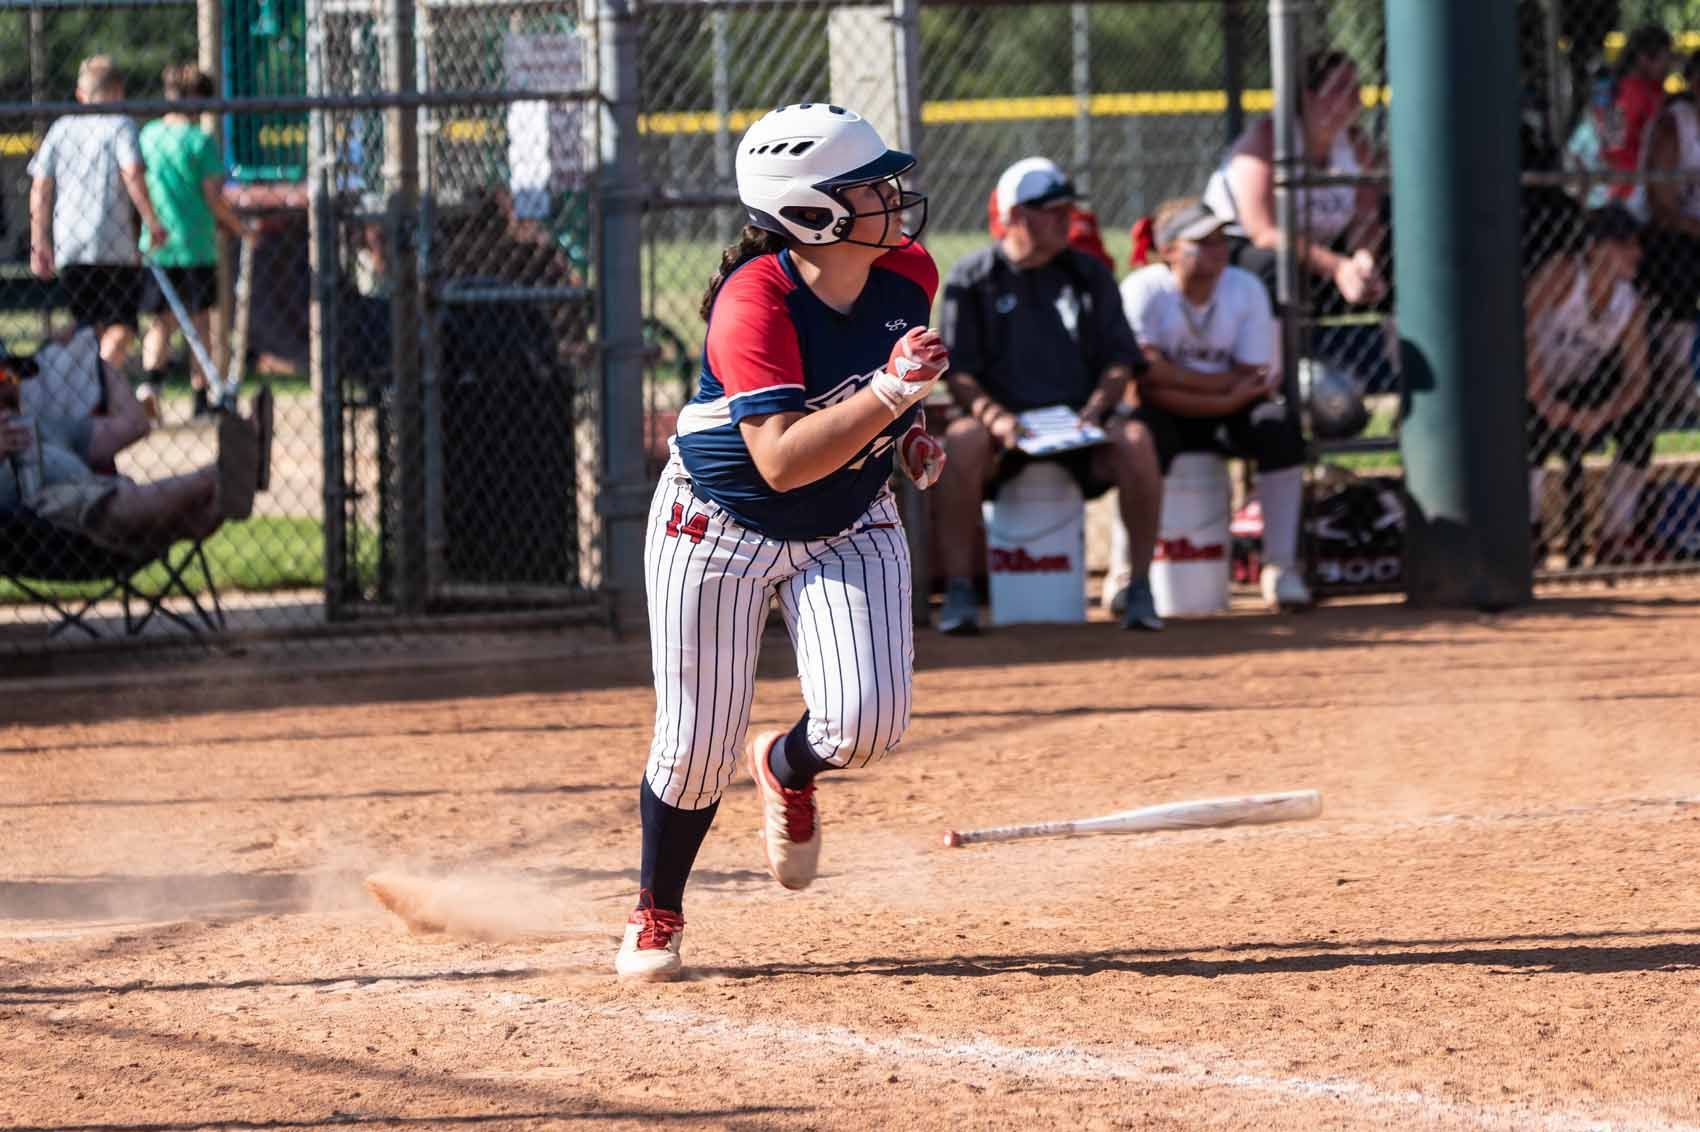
(85, 178)
(1213, 384)
(1032, 322)
(186, 182)
(1590, 372)
(1671, 264)
(1637, 94)
(1341, 222)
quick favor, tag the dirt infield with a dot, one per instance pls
(1493, 925)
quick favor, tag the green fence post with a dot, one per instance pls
(1453, 71)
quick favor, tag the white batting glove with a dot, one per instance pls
(921, 455)
(918, 360)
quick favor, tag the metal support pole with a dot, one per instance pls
(906, 48)
(1558, 88)
(1456, 201)
(401, 189)
(1080, 37)
(209, 57)
(1285, 59)
(906, 54)
(1233, 67)
(436, 534)
(719, 22)
(322, 317)
(625, 486)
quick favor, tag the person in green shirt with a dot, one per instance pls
(185, 177)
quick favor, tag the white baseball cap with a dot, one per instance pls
(1033, 181)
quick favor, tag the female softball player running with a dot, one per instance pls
(816, 361)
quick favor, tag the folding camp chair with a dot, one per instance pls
(35, 555)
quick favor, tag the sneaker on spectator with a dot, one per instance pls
(148, 398)
(960, 616)
(1283, 589)
(1118, 604)
(650, 951)
(1140, 610)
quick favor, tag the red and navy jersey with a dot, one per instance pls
(773, 347)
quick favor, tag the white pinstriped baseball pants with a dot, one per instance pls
(846, 603)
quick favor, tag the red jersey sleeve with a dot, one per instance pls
(752, 349)
(915, 264)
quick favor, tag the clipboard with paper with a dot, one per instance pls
(1056, 428)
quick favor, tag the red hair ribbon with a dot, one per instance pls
(1144, 235)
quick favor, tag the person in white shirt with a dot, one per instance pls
(85, 177)
(1341, 226)
(1213, 381)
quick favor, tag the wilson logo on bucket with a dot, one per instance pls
(1018, 561)
(1182, 550)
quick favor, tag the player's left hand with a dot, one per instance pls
(921, 455)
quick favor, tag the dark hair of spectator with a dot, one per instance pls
(1321, 63)
(185, 80)
(751, 242)
(1648, 39)
(1614, 223)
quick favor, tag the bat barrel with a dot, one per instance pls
(1209, 813)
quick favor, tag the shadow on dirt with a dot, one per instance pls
(48, 993)
(1564, 954)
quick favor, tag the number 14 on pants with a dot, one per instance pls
(693, 528)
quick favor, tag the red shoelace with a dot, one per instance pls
(656, 927)
(799, 813)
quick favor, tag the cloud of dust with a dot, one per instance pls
(470, 905)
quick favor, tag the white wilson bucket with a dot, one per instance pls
(1189, 571)
(1036, 547)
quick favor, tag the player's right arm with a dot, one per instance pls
(754, 352)
(793, 449)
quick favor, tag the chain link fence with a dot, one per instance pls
(1611, 243)
(408, 222)
(307, 347)
(1609, 256)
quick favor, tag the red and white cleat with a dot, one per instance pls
(790, 824)
(650, 951)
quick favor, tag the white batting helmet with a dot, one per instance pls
(795, 162)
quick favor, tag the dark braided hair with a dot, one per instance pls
(751, 242)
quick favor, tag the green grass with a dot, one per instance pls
(260, 554)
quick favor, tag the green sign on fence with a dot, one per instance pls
(265, 54)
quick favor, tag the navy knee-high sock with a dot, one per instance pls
(671, 838)
(793, 762)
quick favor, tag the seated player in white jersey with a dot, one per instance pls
(816, 362)
(1591, 376)
(1212, 382)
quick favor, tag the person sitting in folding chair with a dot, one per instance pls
(48, 467)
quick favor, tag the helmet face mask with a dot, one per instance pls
(898, 202)
(797, 168)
